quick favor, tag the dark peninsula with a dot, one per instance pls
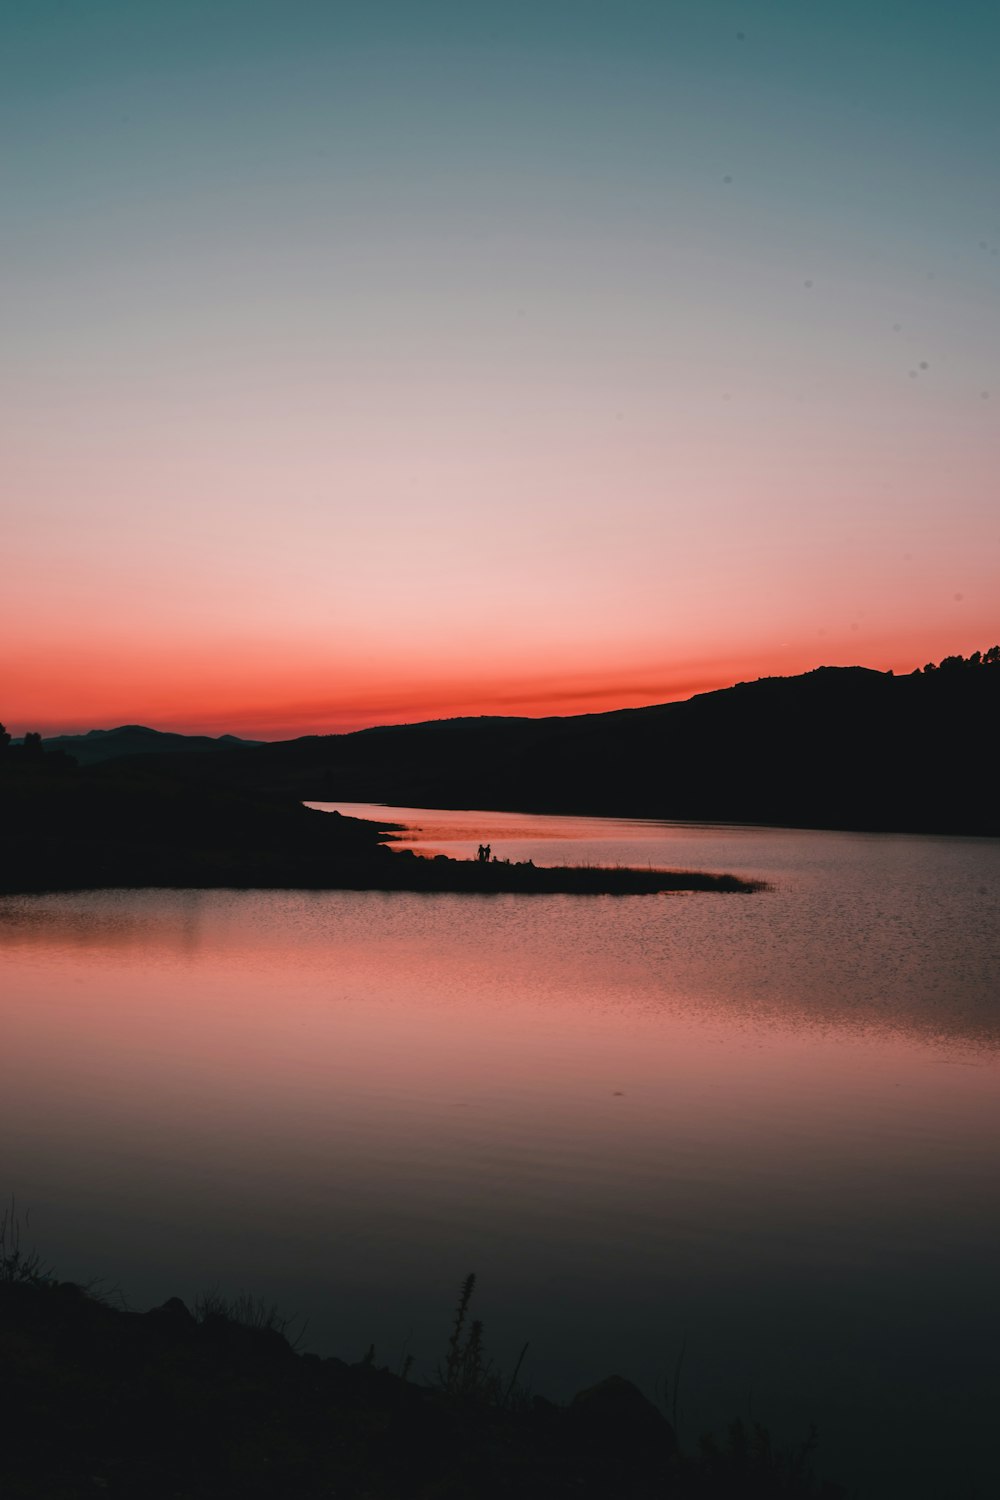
(135, 823)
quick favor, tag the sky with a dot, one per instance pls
(382, 361)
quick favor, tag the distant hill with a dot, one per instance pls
(135, 739)
(839, 747)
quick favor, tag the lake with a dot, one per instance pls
(753, 1138)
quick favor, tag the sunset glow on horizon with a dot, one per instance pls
(370, 365)
(211, 702)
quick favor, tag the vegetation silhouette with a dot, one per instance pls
(218, 1403)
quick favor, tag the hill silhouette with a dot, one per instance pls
(838, 747)
(135, 739)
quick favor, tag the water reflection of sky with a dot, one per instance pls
(877, 932)
(768, 1123)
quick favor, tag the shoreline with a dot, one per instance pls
(134, 827)
(418, 874)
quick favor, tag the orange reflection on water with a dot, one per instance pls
(633, 1118)
(343, 1033)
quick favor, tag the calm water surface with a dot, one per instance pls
(766, 1128)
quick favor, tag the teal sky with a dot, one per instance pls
(379, 361)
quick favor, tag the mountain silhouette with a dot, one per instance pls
(135, 739)
(838, 747)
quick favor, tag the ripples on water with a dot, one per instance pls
(764, 1124)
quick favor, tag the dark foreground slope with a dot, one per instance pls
(836, 748)
(164, 1406)
(132, 824)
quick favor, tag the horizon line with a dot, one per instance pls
(444, 718)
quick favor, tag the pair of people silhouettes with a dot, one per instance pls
(484, 854)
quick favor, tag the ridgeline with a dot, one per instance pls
(839, 747)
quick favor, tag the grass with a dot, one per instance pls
(467, 1372)
(247, 1311)
(412, 872)
(188, 1406)
(19, 1266)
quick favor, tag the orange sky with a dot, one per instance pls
(259, 696)
(359, 373)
